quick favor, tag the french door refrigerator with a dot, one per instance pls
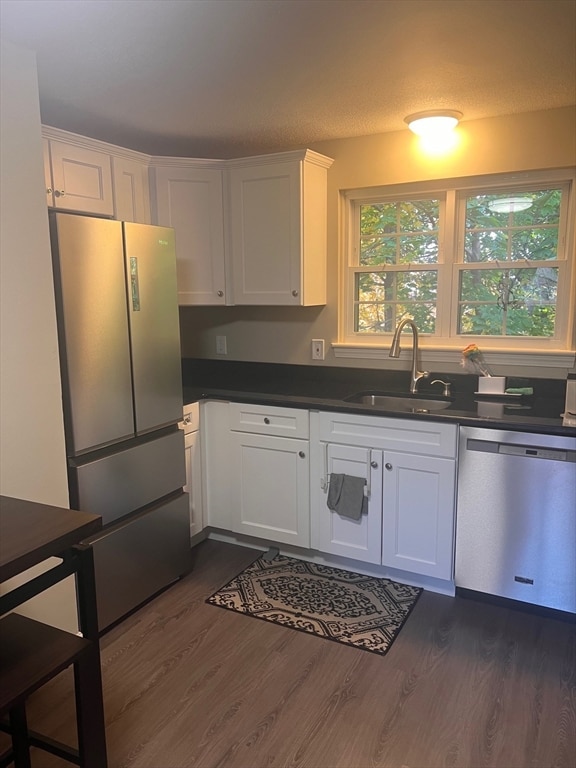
(118, 333)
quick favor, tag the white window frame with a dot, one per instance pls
(557, 351)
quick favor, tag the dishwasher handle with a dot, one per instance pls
(528, 451)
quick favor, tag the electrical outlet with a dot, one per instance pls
(221, 346)
(317, 349)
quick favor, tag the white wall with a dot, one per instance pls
(32, 458)
(32, 448)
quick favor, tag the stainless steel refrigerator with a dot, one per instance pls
(119, 343)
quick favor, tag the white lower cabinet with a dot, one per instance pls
(267, 472)
(341, 535)
(193, 459)
(194, 481)
(411, 469)
(256, 468)
(418, 514)
(216, 459)
(270, 472)
(270, 482)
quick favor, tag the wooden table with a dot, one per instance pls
(31, 653)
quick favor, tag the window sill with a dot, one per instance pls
(556, 358)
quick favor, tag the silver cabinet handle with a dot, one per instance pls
(294, 293)
(266, 420)
(374, 464)
(388, 466)
(60, 192)
(302, 454)
(220, 293)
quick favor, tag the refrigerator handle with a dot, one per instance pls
(134, 287)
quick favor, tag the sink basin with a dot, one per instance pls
(398, 402)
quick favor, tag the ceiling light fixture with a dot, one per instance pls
(434, 122)
(510, 204)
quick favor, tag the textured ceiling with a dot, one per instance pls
(225, 78)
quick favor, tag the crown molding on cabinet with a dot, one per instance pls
(315, 158)
(184, 162)
(309, 155)
(74, 139)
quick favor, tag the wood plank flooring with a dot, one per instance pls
(465, 685)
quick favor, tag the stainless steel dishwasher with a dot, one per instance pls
(516, 523)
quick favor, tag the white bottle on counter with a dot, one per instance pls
(570, 404)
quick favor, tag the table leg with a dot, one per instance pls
(19, 730)
(87, 670)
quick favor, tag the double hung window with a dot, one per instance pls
(492, 261)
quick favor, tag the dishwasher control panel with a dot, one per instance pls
(537, 453)
(516, 449)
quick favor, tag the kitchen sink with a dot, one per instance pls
(399, 402)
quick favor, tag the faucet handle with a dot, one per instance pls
(416, 378)
(445, 384)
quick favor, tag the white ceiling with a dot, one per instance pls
(225, 78)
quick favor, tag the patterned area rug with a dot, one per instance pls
(346, 607)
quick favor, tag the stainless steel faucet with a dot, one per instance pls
(416, 375)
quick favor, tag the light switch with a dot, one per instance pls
(221, 345)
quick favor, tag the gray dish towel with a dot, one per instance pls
(346, 496)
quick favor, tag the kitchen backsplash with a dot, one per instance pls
(336, 382)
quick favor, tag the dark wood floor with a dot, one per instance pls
(188, 684)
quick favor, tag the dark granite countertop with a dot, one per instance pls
(326, 388)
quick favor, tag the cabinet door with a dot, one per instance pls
(219, 495)
(82, 179)
(191, 201)
(266, 234)
(338, 535)
(131, 192)
(194, 481)
(270, 482)
(418, 514)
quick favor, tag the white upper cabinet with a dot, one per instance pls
(89, 176)
(249, 231)
(131, 190)
(277, 225)
(78, 178)
(189, 197)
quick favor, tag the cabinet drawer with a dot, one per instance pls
(143, 473)
(140, 556)
(269, 420)
(408, 435)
